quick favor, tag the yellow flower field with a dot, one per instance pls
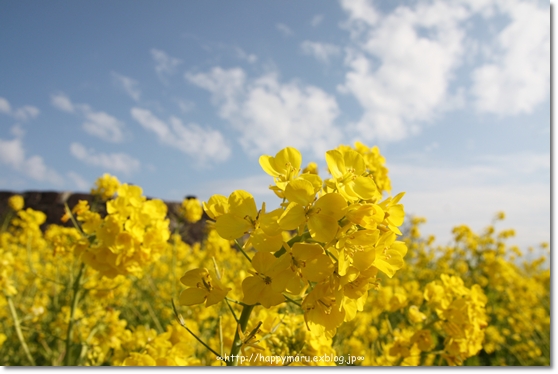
(337, 274)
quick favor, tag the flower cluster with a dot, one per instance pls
(16, 202)
(343, 236)
(105, 187)
(462, 315)
(192, 210)
(133, 234)
(516, 286)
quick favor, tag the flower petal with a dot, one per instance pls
(192, 296)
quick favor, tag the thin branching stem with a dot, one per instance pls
(75, 301)
(74, 221)
(183, 324)
(239, 247)
(232, 310)
(18, 330)
(235, 301)
(291, 300)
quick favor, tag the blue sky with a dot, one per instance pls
(181, 98)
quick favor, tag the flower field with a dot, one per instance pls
(337, 274)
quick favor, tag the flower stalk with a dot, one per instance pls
(237, 343)
(75, 301)
(18, 331)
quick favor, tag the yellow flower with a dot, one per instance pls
(389, 254)
(312, 261)
(375, 163)
(394, 212)
(240, 218)
(16, 202)
(366, 215)
(423, 339)
(268, 282)
(216, 206)
(415, 316)
(267, 236)
(192, 210)
(284, 167)
(356, 288)
(303, 189)
(321, 310)
(105, 187)
(139, 359)
(308, 262)
(250, 340)
(311, 168)
(347, 168)
(357, 249)
(322, 217)
(202, 288)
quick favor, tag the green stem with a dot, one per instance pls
(291, 300)
(155, 318)
(75, 301)
(174, 277)
(237, 343)
(18, 331)
(183, 324)
(74, 221)
(239, 247)
(7, 220)
(86, 345)
(232, 311)
(221, 348)
(236, 301)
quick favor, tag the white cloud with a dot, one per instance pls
(270, 115)
(12, 154)
(321, 51)
(62, 102)
(317, 20)
(401, 65)
(103, 125)
(200, 143)
(79, 181)
(26, 112)
(249, 57)
(23, 113)
(99, 124)
(5, 106)
(361, 13)
(17, 131)
(165, 65)
(226, 86)
(185, 106)
(129, 85)
(117, 162)
(284, 29)
(517, 78)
